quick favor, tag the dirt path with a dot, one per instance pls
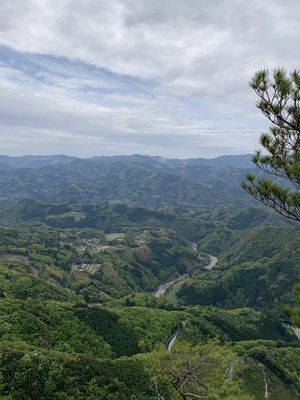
(266, 380)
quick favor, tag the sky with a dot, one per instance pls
(163, 77)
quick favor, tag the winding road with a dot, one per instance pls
(213, 262)
(162, 288)
(171, 340)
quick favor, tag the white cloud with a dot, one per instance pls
(164, 70)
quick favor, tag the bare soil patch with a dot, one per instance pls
(114, 236)
(14, 257)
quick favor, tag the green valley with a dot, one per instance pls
(84, 244)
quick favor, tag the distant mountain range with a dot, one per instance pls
(7, 162)
(138, 180)
(28, 161)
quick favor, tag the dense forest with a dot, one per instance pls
(84, 245)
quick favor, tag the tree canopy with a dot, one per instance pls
(279, 101)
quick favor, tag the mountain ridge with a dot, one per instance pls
(37, 161)
(140, 180)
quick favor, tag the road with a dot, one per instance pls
(213, 262)
(171, 341)
(162, 288)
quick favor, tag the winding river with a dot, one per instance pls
(162, 288)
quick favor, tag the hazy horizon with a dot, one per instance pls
(124, 155)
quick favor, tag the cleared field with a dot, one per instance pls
(14, 257)
(114, 236)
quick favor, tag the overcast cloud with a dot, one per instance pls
(168, 78)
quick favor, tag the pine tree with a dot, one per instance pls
(279, 101)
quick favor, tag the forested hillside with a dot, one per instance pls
(143, 181)
(84, 246)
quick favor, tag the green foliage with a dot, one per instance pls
(149, 326)
(51, 325)
(259, 269)
(279, 101)
(294, 312)
(33, 375)
(255, 377)
(205, 323)
(204, 371)
(107, 324)
(282, 362)
(85, 262)
(77, 320)
(141, 300)
(21, 285)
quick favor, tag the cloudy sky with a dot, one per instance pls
(156, 77)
